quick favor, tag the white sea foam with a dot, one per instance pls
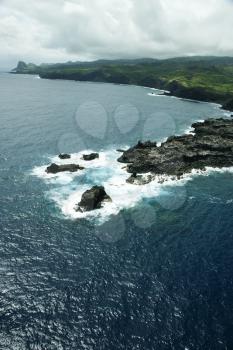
(206, 172)
(190, 129)
(156, 94)
(66, 193)
(106, 171)
(227, 114)
(59, 178)
(67, 177)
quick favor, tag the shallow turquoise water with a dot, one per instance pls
(158, 275)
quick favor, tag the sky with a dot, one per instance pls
(57, 31)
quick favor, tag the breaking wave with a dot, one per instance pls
(67, 188)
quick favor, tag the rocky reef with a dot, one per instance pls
(93, 199)
(210, 145)
(55, 168)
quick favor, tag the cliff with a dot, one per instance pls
(207, 79)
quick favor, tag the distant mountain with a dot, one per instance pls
(205, 78)
(24, 68)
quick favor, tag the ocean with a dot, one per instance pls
(150, 270)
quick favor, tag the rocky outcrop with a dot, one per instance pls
(228, 105)
(21, 66)
(90, 156)
(211, 145)
(137, 153)
(93, 199)
(140, 179)
(195, 93)
(55, 168)
(24, 68)
(64, 156)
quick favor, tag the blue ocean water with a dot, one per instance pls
(154, 274)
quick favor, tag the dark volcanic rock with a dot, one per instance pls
(54, 168)
(90, 156)
(64, 156)
(120, 150)
(212, 145)
(92, 199)
(139, 179)
(228, 105)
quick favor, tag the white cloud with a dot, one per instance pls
(56, 30)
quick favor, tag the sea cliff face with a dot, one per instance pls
(197, 93)
(210, 145)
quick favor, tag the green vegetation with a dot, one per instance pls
(201, 78)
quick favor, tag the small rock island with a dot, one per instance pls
(93, 199)
(90, 156)
(55, 168)
(64, 156)
(210, 145)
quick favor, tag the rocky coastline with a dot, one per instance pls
(210, 145)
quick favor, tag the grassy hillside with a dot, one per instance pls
(203, 78)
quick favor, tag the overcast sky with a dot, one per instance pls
(55, 30)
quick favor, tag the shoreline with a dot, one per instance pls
(195, 94)
(164, 92)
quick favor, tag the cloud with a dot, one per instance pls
(56, 30)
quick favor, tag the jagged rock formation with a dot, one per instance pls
(211, 145)
(93, 199)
